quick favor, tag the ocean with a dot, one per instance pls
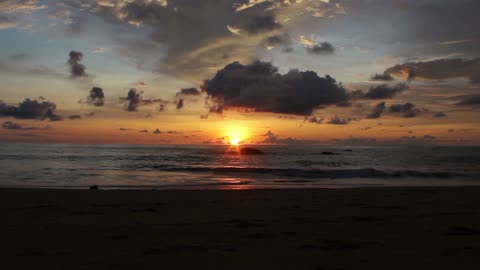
(212, 167)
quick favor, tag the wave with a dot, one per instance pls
(313, 173)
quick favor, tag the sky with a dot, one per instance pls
(243, 71)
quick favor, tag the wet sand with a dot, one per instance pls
(370, 228)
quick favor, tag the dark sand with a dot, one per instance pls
(377, 228)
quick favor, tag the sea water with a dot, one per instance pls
(215, 167)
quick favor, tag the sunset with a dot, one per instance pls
(303, 129)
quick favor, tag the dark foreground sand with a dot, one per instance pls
(378, 228)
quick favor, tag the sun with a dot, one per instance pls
(236, 135)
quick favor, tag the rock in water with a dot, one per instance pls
(250, 151)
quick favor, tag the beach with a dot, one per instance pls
(361, 228)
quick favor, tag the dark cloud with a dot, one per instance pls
(186, 93)
(259, 24)
(30, 109)
(216, 108)
(323, 48)
(460, 130)
(338, 121)
(157, 131)
(382, 77)
(468, 100)
(377, 112)
(15, 126)
(173, 132)
(76, 69)
(344, 104)
(134, 100)
(162, 107)
(259, 86)
(439, 69)
(439, 114)
(204, 21)
(180, 104)
(143, 131)
(385, 91)
(278, 40)
(189, 92)
(314, 120)
(410, 140)
(426, 139)
(408, 109)
(96, 97)
(75, 117)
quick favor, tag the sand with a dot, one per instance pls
(370, 228)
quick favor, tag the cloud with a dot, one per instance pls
(272, 138)
(96, 97)
(185, 93)
(19, 6)
(90, 114)
(408, 109)
(180, 104)
(15, 126)
(377, 112)
(259, 24)
(13, 12)
(157, 131)
(189, 92)
(234, 30)
(134, 100)
(143, 131)
(6, 23)
(30, 109)
(338, 121)
(250, 3)
(384, 91)
(409, 140)
(75, 117)
(323, 48)
(314, 120)
(259, 86)
(277, 40)
(438, 70)
(468, 100)
(426, 139)
(314, 47)
(76, 69)
(219, 32)
(382, 77)
(439, 114)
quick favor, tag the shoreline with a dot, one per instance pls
(364, 228)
